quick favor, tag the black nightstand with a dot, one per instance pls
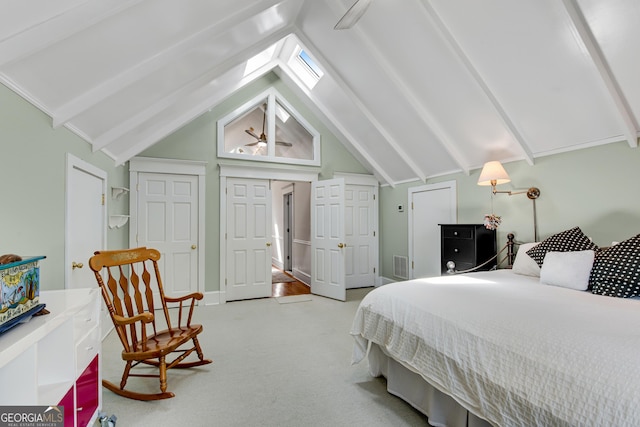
(467, 245)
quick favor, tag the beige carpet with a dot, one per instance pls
(273, 365)
(293, 298)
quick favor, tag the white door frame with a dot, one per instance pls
(237, 171)
(173, 167)
(287, 229)
(451, 186)
(74, 162)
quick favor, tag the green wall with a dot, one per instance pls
(594, 188)
(198, 139)
(32, 173)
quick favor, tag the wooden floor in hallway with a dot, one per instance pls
(291, 287)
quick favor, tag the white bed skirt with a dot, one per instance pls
(441, 409)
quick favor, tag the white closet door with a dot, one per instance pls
(360, 234)
(430, 205)
(248, 237)
(86, 220)
(168, 222)
(328, 239)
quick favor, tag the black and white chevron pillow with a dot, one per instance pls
(566, 241)
(616, 270)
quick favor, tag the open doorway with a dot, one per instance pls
(291, 237)
(283, 284)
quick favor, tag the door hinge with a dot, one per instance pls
(412, 205)
(102, 199)
(412, 267)
(374, 234)
(374, 197)
(136, 238)
(374, 270)
(225, 282)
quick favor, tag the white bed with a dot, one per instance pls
(508, 349)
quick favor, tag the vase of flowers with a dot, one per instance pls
(492, 221)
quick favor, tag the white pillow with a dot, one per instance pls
(523, 263)
(567, 269)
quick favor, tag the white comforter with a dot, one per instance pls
(511, 350)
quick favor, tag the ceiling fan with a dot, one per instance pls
(262, 139)
(352, 16)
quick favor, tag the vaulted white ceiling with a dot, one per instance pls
(415, 89)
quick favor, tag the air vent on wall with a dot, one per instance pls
(400, 267)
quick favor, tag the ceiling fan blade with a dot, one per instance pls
(352, 16)
(252, 133)
(252, 144)
(286, 144)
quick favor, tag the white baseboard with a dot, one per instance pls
(302, 276)
(277, 263)
(214, 298)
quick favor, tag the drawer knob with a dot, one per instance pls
(455, 233)
(451, 267)
(456, 250)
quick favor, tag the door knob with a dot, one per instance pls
(75, 265)
(340, 245)
(193, 246)
(268, 244)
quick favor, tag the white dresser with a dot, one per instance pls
(55, 359)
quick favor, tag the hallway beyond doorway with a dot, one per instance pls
(284, 284)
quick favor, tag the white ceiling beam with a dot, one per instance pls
(457, 50)
(585, 35)
(167, 127)
(104, 89)
(423, 112)
(337, 77)
(333, 123)
(118, 131)
(53, 30)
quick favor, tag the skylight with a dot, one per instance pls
(304, 67)
(306, 59)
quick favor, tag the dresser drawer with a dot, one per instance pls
(458, 250)
(457, 233)
(87, 317)
(468, 246)
(87, 349)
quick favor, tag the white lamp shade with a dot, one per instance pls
(493, 171)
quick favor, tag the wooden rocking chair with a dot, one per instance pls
(132, 276)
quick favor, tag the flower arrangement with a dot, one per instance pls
(492, 221)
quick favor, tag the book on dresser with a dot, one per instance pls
(466, 246)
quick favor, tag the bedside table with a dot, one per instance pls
(467, 245)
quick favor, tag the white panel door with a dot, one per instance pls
(85, 220)
(328, 239)
(168, 222)
(248, 237)
(360, 236)
(433, 205)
